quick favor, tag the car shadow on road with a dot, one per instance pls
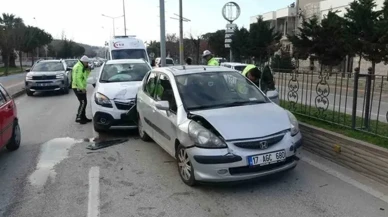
(116, 134)
(50, 94)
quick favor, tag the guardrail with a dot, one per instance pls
(353, 100)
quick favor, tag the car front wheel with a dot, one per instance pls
(143, 135)
(185, 168)
(14, 143)
(29, 92)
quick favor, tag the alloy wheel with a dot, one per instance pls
(184, 164)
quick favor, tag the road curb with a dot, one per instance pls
(19, 93)
(365, 158)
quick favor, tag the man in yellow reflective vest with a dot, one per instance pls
(210, 61)
(80, 74)
(252, 73)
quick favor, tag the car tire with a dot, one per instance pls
(186, 170)
(65, 90)
(99, 128)
(14, 143)
(142, 134)
(29, 92)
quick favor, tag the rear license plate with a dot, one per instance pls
(268, 158)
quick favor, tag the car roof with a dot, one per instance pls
(49, 61)
(234, 64)
(71, 59)
(192, 69)
(119, 61)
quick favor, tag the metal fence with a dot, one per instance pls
(353, 100)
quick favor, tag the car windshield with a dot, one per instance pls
(124, 72)
(129, 54)
(217, 89)
(48, 67)
(239, 68)
(71, 63)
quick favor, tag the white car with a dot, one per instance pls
(236, 66)
(169, 61)
(113, 100)
(217, 124)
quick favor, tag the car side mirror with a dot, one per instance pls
(28, 70)
(162, 105)
(69, 69)
(91, 80)
(272, 94)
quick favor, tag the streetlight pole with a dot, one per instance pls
(181, 53)
(113, 21)
(125, 24)
(162, 34)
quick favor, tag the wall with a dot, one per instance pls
(362, 157)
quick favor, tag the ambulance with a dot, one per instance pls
(127, 47)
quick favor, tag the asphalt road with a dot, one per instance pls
(13, 83)
(54, 174)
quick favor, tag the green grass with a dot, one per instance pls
(340, 123)
(11, 70)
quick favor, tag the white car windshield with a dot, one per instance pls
(48, 67)
(218, 89)
(124, 72)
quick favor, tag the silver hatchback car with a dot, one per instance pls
(217, 124)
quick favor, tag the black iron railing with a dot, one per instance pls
(354, 100)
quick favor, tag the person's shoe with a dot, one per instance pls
(78, 120)
(87, 120)
(83, 122)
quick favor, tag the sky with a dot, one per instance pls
(82, 20)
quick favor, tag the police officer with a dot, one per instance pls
(264, 79)
(210, 61)
(252, 73)
(80, 75)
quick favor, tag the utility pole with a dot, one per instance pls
(181, 51)
(162, 34)
(125, 24)
(113, 21)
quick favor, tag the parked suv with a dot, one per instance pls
(47, 76)
(10, 136)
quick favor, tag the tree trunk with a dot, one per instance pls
(21, 60)
(12, 58)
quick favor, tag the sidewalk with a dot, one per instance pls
(13, 83)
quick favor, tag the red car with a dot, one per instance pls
(9, 126)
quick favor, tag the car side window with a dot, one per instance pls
(149, 87)
(5, 93)
(164, 92)
(2, 100)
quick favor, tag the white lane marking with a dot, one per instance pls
(94, 192)
(346, 179)
(14, 85)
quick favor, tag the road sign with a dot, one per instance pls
(228, 41)
(227, 45)
(231, 26)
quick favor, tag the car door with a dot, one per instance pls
(146, 103)
(6, 116)
(166, 121)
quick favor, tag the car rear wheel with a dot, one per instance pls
(65, 90)
(143, 135)
(14, 143)
(185, 168)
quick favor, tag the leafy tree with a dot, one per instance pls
(78, 51)
(363, 24)
(263, 40)
(240, 44)
(10, 25)
(282, 62)
(217, 43)
(153, 47)
(304, 42)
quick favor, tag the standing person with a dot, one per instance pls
(80, 74)
(210, 61)
(189, 61)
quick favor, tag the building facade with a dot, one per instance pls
(286, 21)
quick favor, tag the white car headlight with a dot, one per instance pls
(60, 76)
(102, 100)
(294, 123)
(203, 137)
